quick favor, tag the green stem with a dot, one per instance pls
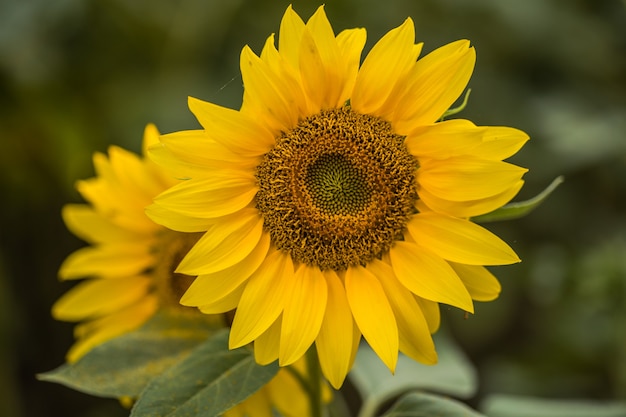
(314, 387)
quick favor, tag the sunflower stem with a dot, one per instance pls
(314, 387)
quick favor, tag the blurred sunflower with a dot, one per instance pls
(335, 202)
(131, 263)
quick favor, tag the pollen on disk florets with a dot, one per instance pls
(337, 190)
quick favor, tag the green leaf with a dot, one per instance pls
(421, 404)
(453, 375)
(123, 366)
(210, 381)
(520, 209)
(518, 406)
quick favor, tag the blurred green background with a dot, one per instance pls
(79, 75)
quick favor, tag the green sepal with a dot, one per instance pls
(210, 381)
(519, 209)
(459, 108)
(421, 404)
(123, 366)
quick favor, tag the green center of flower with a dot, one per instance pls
(337, 190)
(337, 185)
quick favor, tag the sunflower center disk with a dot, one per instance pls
(337, 190)
(337, 185)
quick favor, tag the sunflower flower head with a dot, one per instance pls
(335, 203)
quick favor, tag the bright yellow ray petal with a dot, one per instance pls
(208, 288)
(413, 331)
(431, 313)
(434, 85)
(481, 284)
(469, 208)
(262, 300)
(227, 242)
(224, 192)
(197, 148)
(387, 62)
(319, 46)
(115, 260)
(500, 142)
(460, 240)
(99, 297)
(458, 137)
(224, 304)
(267, 346)
(305, 304)
(373, 314)
(466, 178)
(291, 29)
(350, 43)
(236, 131)
(289, 77)
(92, 227)
(177, 221)
(335, 339)
(265, 94)
(428, 276)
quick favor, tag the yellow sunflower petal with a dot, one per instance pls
(373, 314)
(267, 346)
(428, 276)
(265, 94)
(467, 178)
(350, 43)
(389, 60)
(99, 297)
(436, 82)
(320, 63)
(413, 331)
(460, 240)
(83, 221)
(457, 137)
(114, 260)
(481, 284)
(469, 208)
(335, 339)
(225, 304)
(431, 313)
(223, 193)
(291, 29)
(262, 300)
(305, 304)
(226, 243)
(231, 128)
(94, 333)
(196, 149)
(208, 288)
(177, 221)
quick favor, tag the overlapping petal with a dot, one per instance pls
(460, 240)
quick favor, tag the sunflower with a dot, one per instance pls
(336, 203)
(130, 260)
